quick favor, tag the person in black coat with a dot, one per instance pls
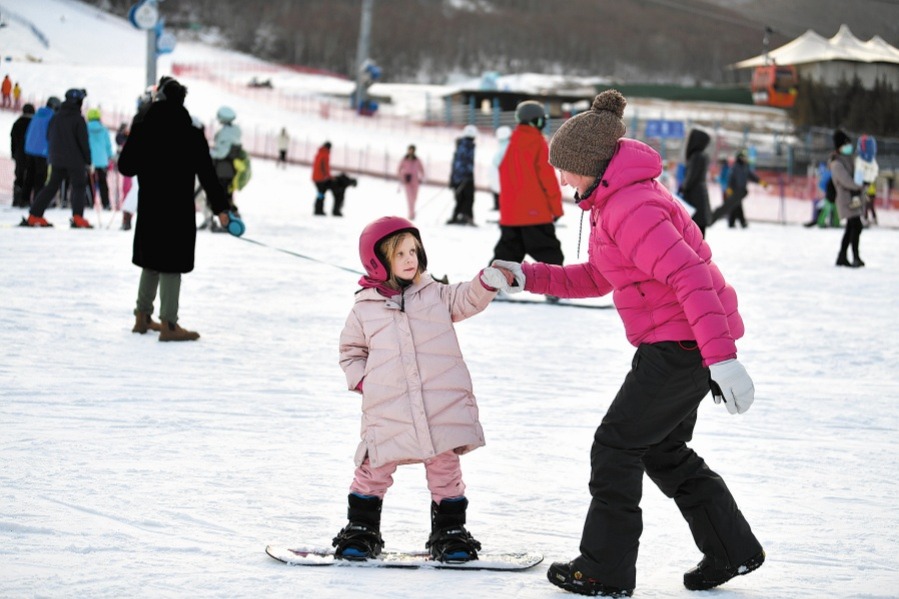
(24, 184)
(694, 189)
(167, 154)
(69, 156)
(462, 178)
(339, 185)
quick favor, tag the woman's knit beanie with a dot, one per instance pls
(585, 143)
(840, 139)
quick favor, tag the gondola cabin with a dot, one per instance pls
(775, 85)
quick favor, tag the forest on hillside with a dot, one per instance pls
(688, 42)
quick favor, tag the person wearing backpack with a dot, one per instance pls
(226, 147)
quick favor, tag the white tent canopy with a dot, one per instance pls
(811, 47)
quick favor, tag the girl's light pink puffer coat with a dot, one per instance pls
(417, 398)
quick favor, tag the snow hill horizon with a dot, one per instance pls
(133, 468)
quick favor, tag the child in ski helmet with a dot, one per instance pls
(417, 403)
(866, 171)
(225, 148)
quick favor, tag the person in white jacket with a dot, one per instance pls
(866, 171)
(400, 351)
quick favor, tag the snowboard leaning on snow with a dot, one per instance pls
(404, 559)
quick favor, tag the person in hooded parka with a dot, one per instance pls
(694, 189)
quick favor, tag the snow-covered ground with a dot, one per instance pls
(132, 468)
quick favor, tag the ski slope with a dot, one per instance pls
(133, 468)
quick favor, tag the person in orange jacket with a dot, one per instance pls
(6, 91)
(531, 199)
(321, 176)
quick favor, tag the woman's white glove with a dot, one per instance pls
(493, 278)
(515, 269)
(731, 383)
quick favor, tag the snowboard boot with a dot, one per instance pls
(708, 575)
(361, 538)
(126, 221)
(172, 332)
(857, 263)
(568, 577)
(449, 540)
(79, 222)
(842, 260)
(143, 322)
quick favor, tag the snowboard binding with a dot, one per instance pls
(358, 541)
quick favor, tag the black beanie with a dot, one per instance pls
(840, 139)
(172, 91)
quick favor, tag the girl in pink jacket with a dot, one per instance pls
(399, 350)
(411, 173)
(682, 316)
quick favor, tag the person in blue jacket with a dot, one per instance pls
(101, 153)
(69, 156)
(36, 141)
(462, 178)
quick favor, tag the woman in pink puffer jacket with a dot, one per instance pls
(682, 316)
(400, 351)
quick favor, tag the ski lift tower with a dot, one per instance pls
(362, 60)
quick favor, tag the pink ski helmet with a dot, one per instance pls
(374, 262)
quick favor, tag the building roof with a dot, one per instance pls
(811, 47)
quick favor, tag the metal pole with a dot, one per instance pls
(151, 57)
(362, 51)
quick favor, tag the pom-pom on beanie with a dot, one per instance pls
(586, 142)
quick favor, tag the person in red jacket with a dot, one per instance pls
(531, 198)
(321, 176)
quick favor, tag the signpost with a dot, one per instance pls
(145, 15)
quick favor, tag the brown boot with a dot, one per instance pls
(172, 332)
(143, 323)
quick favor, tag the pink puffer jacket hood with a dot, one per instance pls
(647, 251)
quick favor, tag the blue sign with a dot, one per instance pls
(665, 129)
(165, 42)
(144, 14)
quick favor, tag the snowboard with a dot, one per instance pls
(561, 303)
(496, 562)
